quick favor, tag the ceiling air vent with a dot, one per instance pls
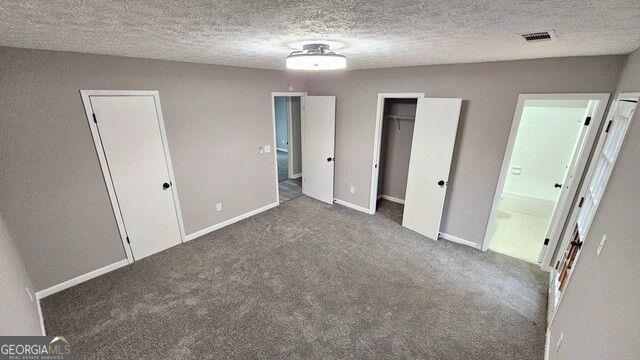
(539, 36)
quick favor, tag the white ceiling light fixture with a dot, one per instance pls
(316, 57)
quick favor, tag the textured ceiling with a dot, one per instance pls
(374, 33)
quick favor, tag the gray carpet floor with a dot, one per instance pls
(283, 165)
(308, 280)
(390, 210)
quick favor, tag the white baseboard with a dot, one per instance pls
(80, 279)
(295, 176)
(391, 198)
(283, 150)
(229, 222)
(547, 340)
(462, 241)
(352, 206)
(44, 331)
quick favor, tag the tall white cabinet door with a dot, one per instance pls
(431, 152)
(318, 146)
(130, 135)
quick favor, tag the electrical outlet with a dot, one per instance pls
(219, 206)
(559, 342)
(267, 148)
(352, 190)
(604, 239)
(29, 293)
(290, 88)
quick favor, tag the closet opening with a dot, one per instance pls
(551, 138)
(398, 121)
(288, 148)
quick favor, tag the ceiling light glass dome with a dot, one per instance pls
(316, 57)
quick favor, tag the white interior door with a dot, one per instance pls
(568, 190)
(318, 145)
(434, 135)
(129, 130)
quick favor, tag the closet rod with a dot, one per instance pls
(396, 117)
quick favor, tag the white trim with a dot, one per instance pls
(80, 279)
(461, 241)
(275, 141)
(283, 150)
(86, 100)
(295, 176)
(391, 198)
(230, 221)
(602, 99)
(42, 328)
(547, 340)
(352, 206)
(377, 139)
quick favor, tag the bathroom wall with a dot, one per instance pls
(544, 147)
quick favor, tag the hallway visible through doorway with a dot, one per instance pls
(288, 146)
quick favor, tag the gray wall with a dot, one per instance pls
(282, 122)
(53, 195)
(600, 313)
(20, 315)
(395, 147)
(489, 92)
(296, 135)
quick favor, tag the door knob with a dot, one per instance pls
(165, 186)
(441, 182)
(329, 159)
(557, 185)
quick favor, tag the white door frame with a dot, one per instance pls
(275, 142)
(602, 137)
(596, 120)
(86, 94)
(377, 139)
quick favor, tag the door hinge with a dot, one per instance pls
(128, 242)
(581, 201)
(94, 118)
(546, 241)
(587, 121)
(608, 126)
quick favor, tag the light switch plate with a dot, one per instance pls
(352, 190)
(219, 206)
(267, 148)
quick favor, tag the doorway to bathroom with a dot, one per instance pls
(551, 138)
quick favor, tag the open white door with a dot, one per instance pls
(318, 145)
(130, 137)
(434, 135)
